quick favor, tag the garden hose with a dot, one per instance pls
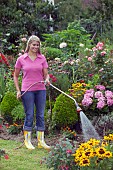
(76, 104)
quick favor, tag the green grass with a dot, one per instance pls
(22, 158)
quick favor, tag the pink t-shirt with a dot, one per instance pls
(32, 71)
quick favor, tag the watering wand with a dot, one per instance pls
(77, 106)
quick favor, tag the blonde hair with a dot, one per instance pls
(30, 40)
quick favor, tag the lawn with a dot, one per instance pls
(21, 158)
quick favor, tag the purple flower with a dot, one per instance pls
(98, 94)
(100, 87)
(108, 94)
(109, 102)
(87, 101)
(101, 98)
(90, 92)
(100, 104)
(90, 75)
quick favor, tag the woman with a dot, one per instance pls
(35, 69)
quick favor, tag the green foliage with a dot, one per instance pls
(52, 53)
(18, 114)
(64, 112)
(21, 17)
(8, 103)
(72, 36)
(69, 11)
(94, 80)
(97, 19)
(68, 133)
(14, 129)
(60, 157)
(62, 83)
(9, 86)
(100, 63)
(2, 83)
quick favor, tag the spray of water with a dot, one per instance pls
(87, 128)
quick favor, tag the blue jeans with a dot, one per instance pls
(31, 99)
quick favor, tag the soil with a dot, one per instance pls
(50, 140)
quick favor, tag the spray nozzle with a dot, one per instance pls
(78, 109)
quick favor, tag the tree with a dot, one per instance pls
(26, 17)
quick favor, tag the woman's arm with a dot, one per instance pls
(16, 75)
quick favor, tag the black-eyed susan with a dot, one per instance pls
(108, 154)
(84, 162)
(100, 151)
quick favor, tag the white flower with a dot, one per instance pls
(77, 61)
(20, 54)
(81, 45)
(72, 62)
(57, 59)
(66, 62)
(23, 39)
(87, 49)
(63, 44)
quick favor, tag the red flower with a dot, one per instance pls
(0, 126)
(90, 75)
(6, 156)
(69, 151)
(81, 81)
(4, 59)
(7, 125)
(50, 75)
(54, 79)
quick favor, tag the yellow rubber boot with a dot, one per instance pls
(27, 140)
(41, 142)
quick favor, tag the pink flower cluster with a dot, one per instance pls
(100, 47)
(102, 96)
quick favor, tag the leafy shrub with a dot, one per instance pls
(64, 112)
(52, 53)
(18, 113)
(68, 133)
(8, 103)
(104, 123)
(60, 157)
(15, 129)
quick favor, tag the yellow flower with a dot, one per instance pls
(84, 162)
(108, 154)
(100, 151)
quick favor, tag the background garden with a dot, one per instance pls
(76, 38)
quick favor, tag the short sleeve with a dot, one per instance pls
(45, 64)
(18, 63)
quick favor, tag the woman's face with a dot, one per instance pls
(34, 47)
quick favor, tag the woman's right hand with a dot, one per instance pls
(18, 94)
